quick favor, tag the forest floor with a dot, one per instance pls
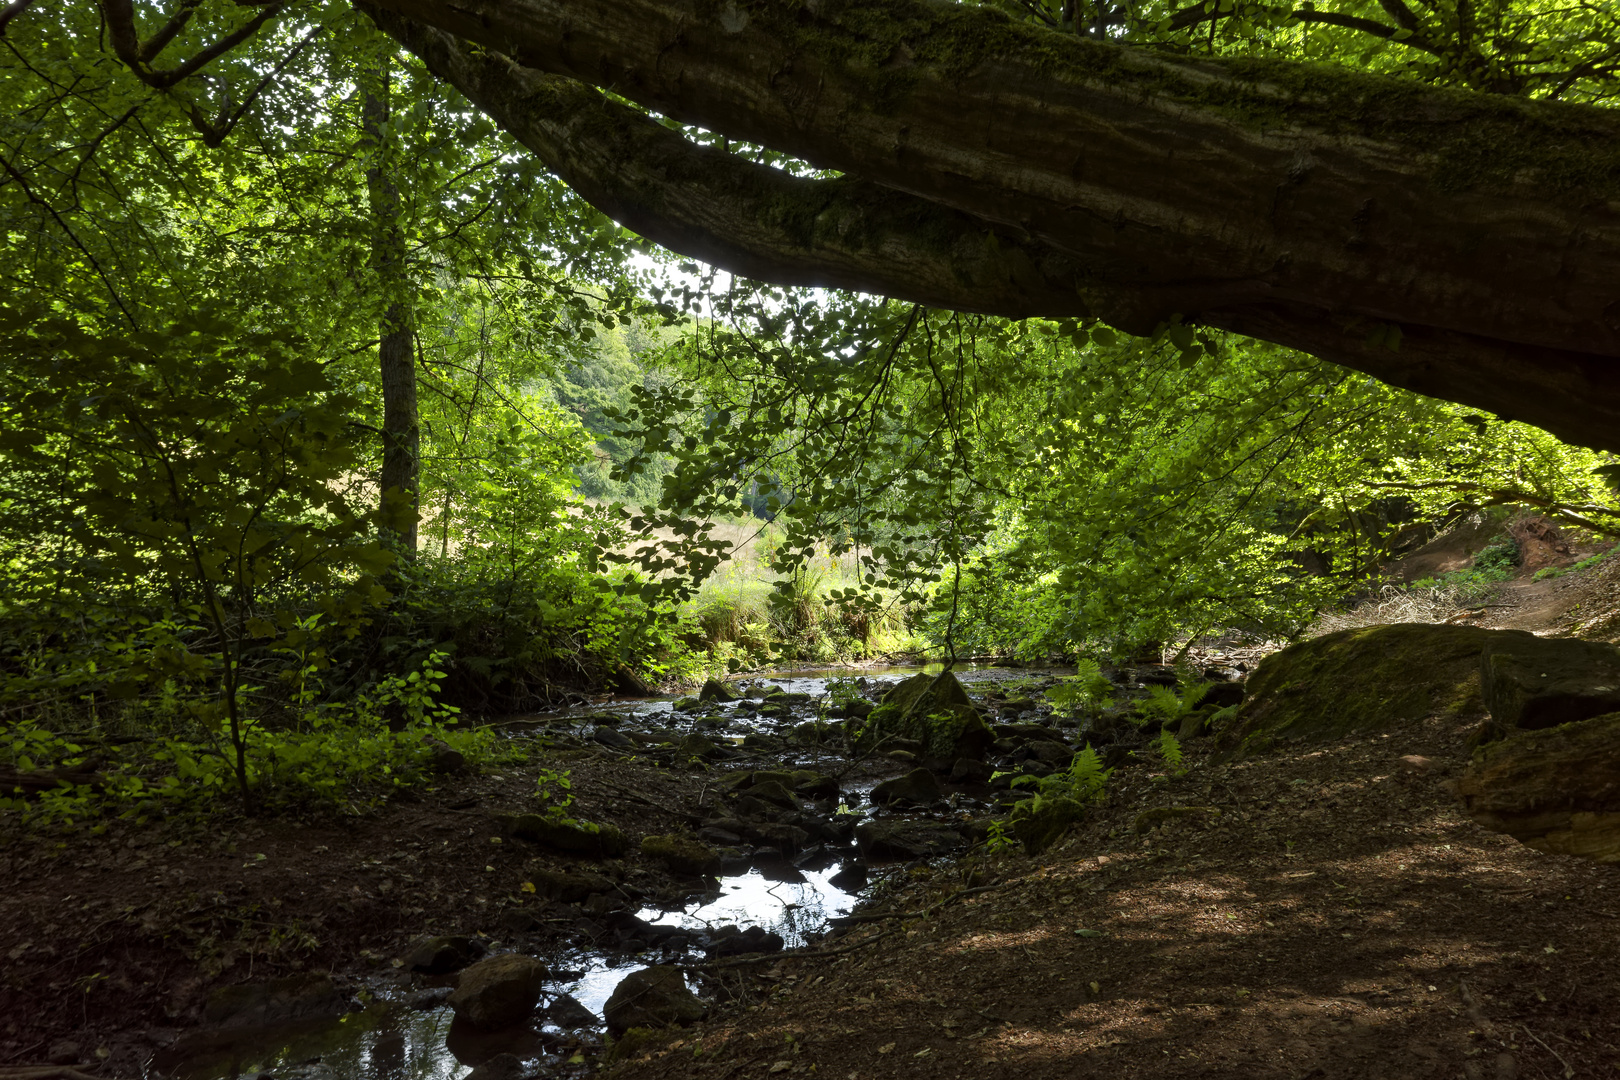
(1324, 911)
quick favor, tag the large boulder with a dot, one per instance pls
(1530, 683)
(499, 992)
(652, 997)
(932, 711)
(1554, 789)
(1361, 680)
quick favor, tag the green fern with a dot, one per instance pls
(1169, 748)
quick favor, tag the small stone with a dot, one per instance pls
(65, 1052)
(568, 1013)
(1416, 763)
(715, 690)
(919, 787)
(499, 1067)
(442, 955)
(610, 738)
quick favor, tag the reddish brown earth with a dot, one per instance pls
(1337, 918)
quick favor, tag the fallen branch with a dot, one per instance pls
(43, 1072)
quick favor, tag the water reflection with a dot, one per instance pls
(796, 910)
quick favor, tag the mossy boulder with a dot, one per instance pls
(569, 835)
(1363, 680)
(1554, 789)
(1039, 823)
(653, 997)
(932, 711)
(716, 690)
(682, 855)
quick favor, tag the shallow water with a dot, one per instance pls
(391, 1040)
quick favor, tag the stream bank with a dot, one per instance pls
(127, 943)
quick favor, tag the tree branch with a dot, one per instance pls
(754, 219)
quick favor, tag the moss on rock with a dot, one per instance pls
(1367, 679)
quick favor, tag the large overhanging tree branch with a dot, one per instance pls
(1463, 245)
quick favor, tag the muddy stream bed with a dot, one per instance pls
(782, 889)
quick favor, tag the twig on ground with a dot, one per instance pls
(1569, 1073)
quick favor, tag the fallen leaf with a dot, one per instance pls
(1088, 933)
(781, 1066)
(886, 1049)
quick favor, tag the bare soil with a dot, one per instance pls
(1330, 914)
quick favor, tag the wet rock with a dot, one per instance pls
(610, 738)
(718, 837)
(859, 710)
(823, 828)
(574, 837)
(813, 785)
(429, 999)
(730, 941)
(1018, 705)
(1530, 683)
(696, 746)
(687, 704)
(786, 837)
(1056, 754)
(970, 771)
(652, 997)
(499, 992)
(901, 839)
(775, 793)
(715, 690)
(500, 1067)
(818, 733)
(297, 997)
(568, 887)
(442, 955)
(568, 1013)
(682, 855)
(917, 788)
(1362, 680)
(851, 877)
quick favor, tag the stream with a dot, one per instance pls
(405, 1031)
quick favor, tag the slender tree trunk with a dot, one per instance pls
(401, 427)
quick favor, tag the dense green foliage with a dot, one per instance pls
(201, 245)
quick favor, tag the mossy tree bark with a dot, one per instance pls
(400, 479)
(1461, 244)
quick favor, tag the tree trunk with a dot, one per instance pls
(1459, 244)
(401, 429)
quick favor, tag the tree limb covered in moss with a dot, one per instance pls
(1457, 244)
